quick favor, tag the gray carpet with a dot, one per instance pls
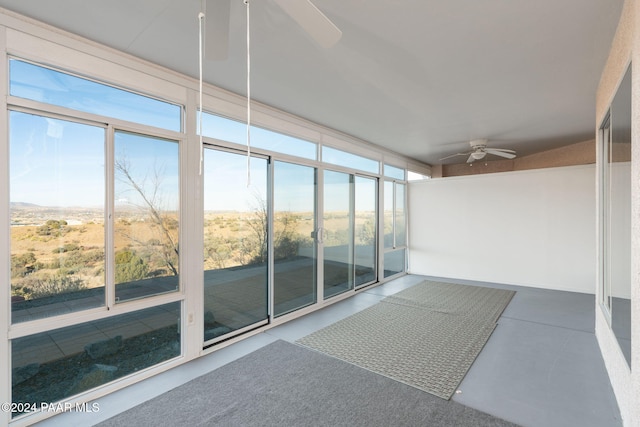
(426, 336)
(284, 384)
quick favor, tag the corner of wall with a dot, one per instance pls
(624, 49)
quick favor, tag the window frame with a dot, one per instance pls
(394, 247)
(71, 54)
(111, 125)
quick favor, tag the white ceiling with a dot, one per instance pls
(421, 77)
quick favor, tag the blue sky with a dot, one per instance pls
(147, 158)
(55, 162)
(59, 163)
(225, 181)
(52, 87)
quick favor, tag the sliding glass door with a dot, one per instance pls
(349, 232)
(261, 242)
(235, 243)
(338, 232)
(294, 231)
(395, 230)
(365, 226)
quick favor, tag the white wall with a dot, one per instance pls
(533, 228)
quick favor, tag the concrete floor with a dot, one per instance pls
(541, 366)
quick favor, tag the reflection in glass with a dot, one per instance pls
(365, 230)
(604, 222)
(393, 172)
(348, 160)
(394, 262)
(338, 233)
(294, 195)
(218, 127)
(395, 231)
(619, 215)
(53, 365)
(235, 243)
(146, 216)
(399, 216)
(57, 216)
(387, 217)
(54, 87)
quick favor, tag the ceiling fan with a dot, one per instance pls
(479, 150)
(304, 12)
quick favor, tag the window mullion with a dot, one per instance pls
(110, 291)
(393, 214)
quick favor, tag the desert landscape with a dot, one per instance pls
(55, 250)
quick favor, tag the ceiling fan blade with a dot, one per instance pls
(312, 20)
(504, 150)
(501, 153)
(454, 155)
(216, 29)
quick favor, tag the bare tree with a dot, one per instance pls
(151, 203)
(255, 247)
(285, 238)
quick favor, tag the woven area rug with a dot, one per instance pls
(283, 384)
(426, 336)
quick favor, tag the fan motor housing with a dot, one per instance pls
(478, 143)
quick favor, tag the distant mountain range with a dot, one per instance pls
(23, 205)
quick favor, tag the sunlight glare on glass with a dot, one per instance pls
(295, 180)
(393, 172)
(214, 126)
(55, 163)
(348, 160)
(415, 176)
(45, 85)
(225, 176)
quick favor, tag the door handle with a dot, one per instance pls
(318, 235)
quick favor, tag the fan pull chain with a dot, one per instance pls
(248, 94)
(201, 17)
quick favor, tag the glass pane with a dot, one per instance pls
(57, 216)
(365, 230)
(54, 365)
(348, 160)
(53, 87)
(394, 262)
(394, 172)
(146, 216)
(605, 225)
(235, 243)
(400, 220)
(338, 233)
(387, 219)
(294, 195)
(415, 176)
(620, 215)
(233, 131)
